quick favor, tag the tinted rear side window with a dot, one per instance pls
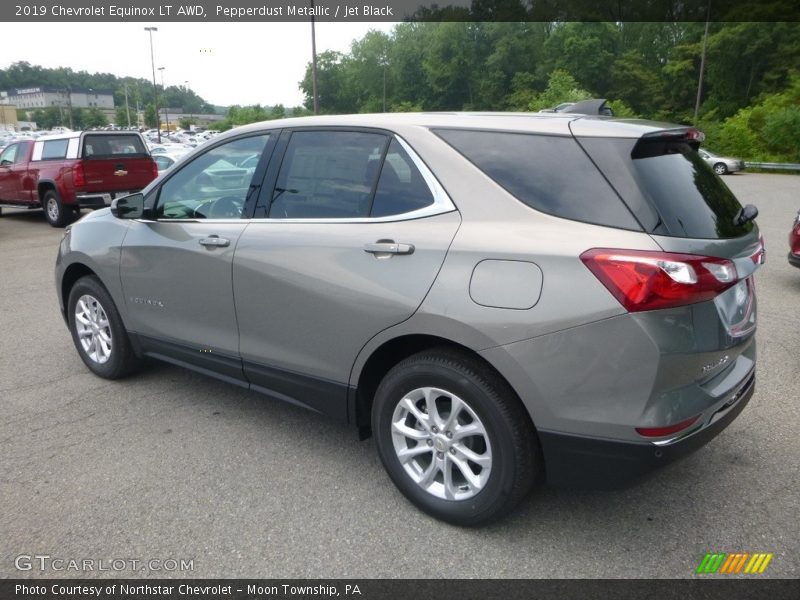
(103, 146)
(549, 173)
(669, 187)
(401, 188)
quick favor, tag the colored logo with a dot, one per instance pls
(733, 564)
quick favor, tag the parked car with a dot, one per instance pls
(722, 165)
(166, 159)
(65, 172)
(493, 297)
(794, 242)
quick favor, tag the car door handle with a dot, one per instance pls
(214, 241)
(389, 248)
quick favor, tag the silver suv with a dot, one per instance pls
(494, 297)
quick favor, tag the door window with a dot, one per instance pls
(8, 157)
(327, 174)
(213, 185)
(401, 188)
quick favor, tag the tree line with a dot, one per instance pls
(749, 102)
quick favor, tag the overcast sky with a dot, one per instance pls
(225, 63)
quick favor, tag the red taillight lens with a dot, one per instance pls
(646, 280)
(668, 430)
(794, 239)
(153, 168)
(78, 175)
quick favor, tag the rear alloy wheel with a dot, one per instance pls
(454, 437)
(98, 332)
(54, 209)
(720, 169)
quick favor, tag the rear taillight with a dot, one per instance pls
(646, 280)
(153, 168)
(668, 430)
(78, 175)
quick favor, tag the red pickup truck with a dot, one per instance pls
(66, 172)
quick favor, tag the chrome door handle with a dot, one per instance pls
(214, 241)
(389, 248)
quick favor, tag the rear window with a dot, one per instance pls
(549, 173)
(103, 146)
(669, 187)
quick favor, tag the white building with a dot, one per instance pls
(32, 98)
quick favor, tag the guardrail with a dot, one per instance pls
(775, 166)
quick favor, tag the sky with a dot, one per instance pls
(224, 63)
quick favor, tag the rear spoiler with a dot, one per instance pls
(667, 141)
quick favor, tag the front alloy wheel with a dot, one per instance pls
(97, 330)
(93, 329)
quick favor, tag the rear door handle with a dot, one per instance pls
(389, 248)
(214, 241)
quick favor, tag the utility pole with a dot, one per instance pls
(127, 106)
(314, 62)
(702, 66)
(150, 30)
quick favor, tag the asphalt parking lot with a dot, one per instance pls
(172, 465)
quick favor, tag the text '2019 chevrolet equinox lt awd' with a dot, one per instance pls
(492, 296)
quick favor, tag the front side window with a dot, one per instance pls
(327, 174)
(213, 185)
(8, 157)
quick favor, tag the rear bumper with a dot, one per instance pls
(585, 462)
(100, 199)
(794, 260)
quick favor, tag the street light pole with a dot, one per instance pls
(166, 110)
(150, 30)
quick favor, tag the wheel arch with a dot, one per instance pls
(71, 275)
(389, 353)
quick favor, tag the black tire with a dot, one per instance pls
(54, 210)
(120, 359)
(512, 443)
(720, 169)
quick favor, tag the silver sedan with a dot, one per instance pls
(722, 164)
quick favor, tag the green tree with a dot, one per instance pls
(562, 87)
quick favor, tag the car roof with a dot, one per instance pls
(73, 134)
(523, 122)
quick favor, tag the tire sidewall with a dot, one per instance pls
(61, 219)
(501, 479)
(720, 169)
(114, 365)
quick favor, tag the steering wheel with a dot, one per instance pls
(227, 207)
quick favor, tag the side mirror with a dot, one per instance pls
(128, 207)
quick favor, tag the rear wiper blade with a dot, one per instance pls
(746, 214)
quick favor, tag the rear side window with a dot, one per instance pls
(549, 173)
(669, 186)
(327, 174)
(54, 149)
(401, 188)
(104, 146)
